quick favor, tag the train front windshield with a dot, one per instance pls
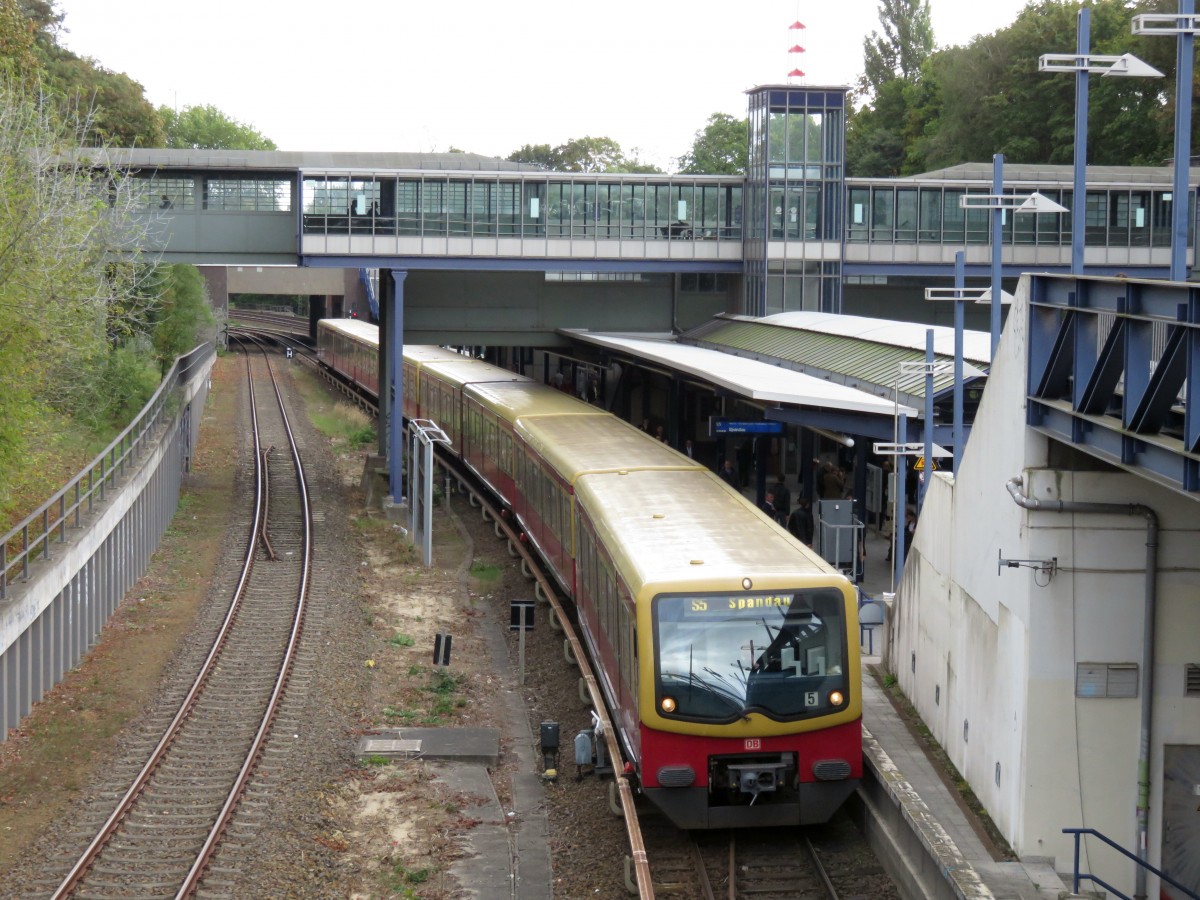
(721, 657)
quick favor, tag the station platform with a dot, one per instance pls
(913, 816)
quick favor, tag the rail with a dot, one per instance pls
(48, 524)
(1078, 876)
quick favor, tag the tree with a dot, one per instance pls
(183, 316)
(586, 154)
(18, 59)
(206, 127)
(720, 148)
(991, 98)
(61, 294)
(905, 44)
(541, 155)
(878, 135)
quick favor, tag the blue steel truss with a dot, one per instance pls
(1111, 365)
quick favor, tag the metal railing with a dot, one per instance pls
(33, 537)
(1095, 879)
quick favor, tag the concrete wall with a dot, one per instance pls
(523, 308)
(995, 653)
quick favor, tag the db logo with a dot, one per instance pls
(753, 744)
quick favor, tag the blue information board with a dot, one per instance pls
(726, 426)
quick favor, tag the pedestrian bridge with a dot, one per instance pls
(462, 211)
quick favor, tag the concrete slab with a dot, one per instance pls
(466, 745)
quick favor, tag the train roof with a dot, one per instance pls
(690, 528)
(463, 371)
(355, 328)
(419, 353)
(577, 445)
(512, 400)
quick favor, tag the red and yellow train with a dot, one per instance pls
(727, 650)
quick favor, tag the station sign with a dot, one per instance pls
(729, 426)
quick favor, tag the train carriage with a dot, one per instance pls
(351, 347)
(726, 650)
(412, 362)
(492, 410)
(734, 666)
(556, 451)
(440, 390)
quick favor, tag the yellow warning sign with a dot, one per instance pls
(920, 465)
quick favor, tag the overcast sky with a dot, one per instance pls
(423, 75)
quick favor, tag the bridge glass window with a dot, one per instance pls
(533, 207)
(508, 207)
(1095, 232)
(248, 194)
(408, 206)
(883, 208)
(1050, 226)
(929, 217)
(954, 220)
(859, 204)
(979, 223)
(458, 208)
(906, 215)
(433, 207)
(1139, 218)
(159, 192)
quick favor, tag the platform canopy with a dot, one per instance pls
(758, 381)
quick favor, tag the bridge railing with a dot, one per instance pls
(33, 537)
(1095, 879)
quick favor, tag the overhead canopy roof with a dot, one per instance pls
(754, 380)
(856, 351)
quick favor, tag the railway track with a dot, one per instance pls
(184, 788)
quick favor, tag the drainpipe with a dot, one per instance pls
(1147, 698)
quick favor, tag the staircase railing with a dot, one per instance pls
(1078, 876)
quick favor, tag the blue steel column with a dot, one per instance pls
(927, 429)
(395, 399)
(997, 238)
(1083, 41)
(1184, 57)
(960, 278)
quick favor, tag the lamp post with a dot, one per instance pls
(1185, 26)
(959, 294)
(1081, 63)
(997, 202)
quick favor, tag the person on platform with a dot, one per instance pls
(800, 522)
(729, 475)
(783, 497)
(768, 506)
(688, 449)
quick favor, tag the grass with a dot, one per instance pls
(485, 572)
(401, 640)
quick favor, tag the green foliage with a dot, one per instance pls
(967, 103)
(184, 318)
(206, 127)
(906, 43)
(587, 154)
(401, 640)
(719, 149)
(18, 59)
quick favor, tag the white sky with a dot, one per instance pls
(424, 75)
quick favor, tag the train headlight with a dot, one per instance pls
(836, 698)
(747, 584)
(668, 704)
